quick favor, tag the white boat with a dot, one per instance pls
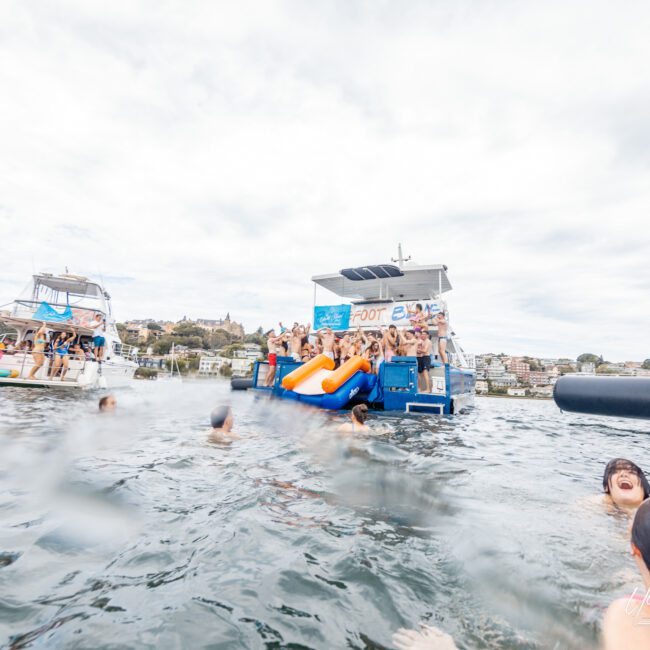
(65, 303)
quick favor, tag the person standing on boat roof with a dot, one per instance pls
(99, 340)
(442, 324)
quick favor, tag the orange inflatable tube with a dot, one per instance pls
(344, 372)
(300, 374)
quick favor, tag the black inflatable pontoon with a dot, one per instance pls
(625, 397)
(240, 383)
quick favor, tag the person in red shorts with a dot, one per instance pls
(273, 342)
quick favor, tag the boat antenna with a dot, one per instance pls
(400, 257)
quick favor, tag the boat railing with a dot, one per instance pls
(20, 357)
(125, 350)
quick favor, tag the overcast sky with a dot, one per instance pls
(207, 157)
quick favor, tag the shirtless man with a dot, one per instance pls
(274, 344)
(326, 335)
(410, 345)
(221, 420)
(298, 334)
(344, 347)
(390, 341)
(424, 361)
(441, 323)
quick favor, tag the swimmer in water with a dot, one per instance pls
(358, 417)
(627, 621)
(221, 420)
(107, 404)
(625, 484)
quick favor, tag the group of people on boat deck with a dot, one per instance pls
(59, 346)
(377, 346)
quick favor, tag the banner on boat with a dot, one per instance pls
(336, 317)
(369, 315)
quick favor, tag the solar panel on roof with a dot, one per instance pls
(377, 272)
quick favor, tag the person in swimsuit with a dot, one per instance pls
(441, 323)
(221, 420)
(38, 351)
(391, 343)
(625, 484)
(626, 625)
(274, 344)
(61, 354)
(107, 404)
(358, 417)
(424, 361)
(410, 345)
(373, 354)
(326, 336)
(418, 319)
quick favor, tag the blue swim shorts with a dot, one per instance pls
(99, 341)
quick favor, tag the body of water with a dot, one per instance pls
(131, 530)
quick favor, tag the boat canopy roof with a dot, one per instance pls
(387, 282)
(75, 285)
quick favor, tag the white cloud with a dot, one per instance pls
(211, 157)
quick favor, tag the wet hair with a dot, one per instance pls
(360, 412)
(419, 306)
(392, 327)
(641, 531)
(218, 416)
(104, 401)
(618, 464)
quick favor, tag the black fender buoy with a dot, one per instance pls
(623, 397)
(239, 383)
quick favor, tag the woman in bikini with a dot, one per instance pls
(358, 416)
(373, 354)
(62, 354)
(38, 351)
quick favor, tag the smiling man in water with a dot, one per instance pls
(625, 484)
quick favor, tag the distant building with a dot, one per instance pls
(505, 381)
(233, 328)
(517, 392)
(538, 378)
(542, 391)
(481, 386)
(210, 366)
(250, 351)
(520, 368)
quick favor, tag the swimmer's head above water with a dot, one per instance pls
(221, 418)
(625, 483)
(107, 403)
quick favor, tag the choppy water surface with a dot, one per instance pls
(131, 530)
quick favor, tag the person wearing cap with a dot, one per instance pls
(625, 484)
(221, 420)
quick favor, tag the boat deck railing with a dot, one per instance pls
(18, 360)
